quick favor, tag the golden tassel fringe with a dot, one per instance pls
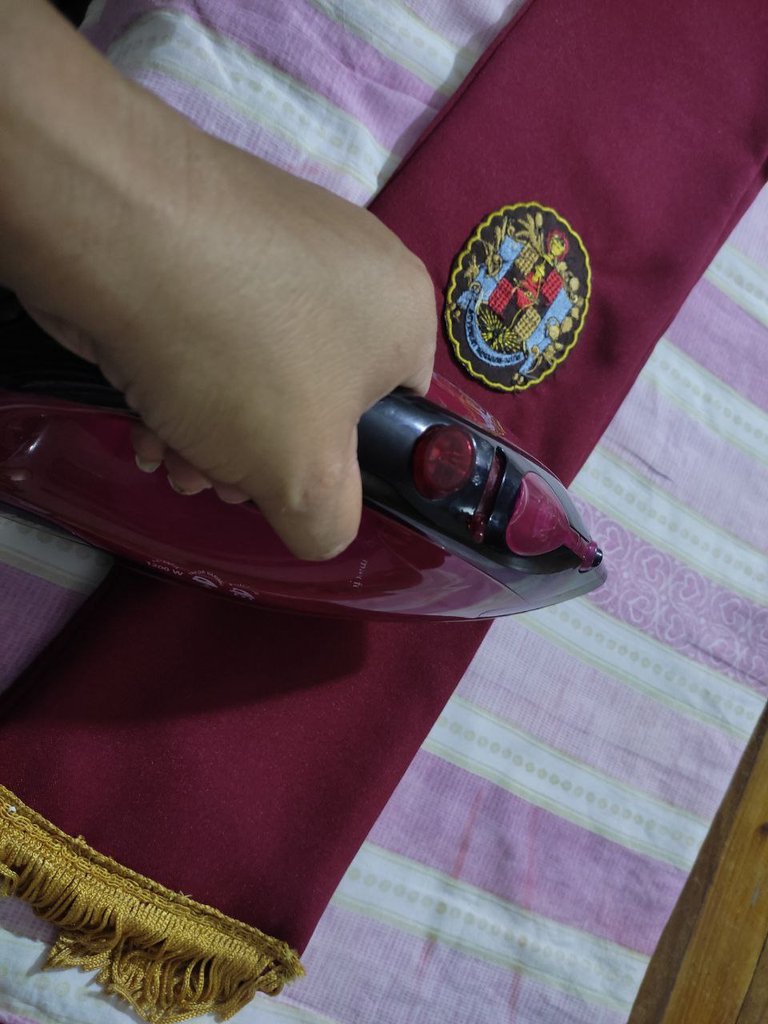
(169, 957)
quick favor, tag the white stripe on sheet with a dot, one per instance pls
(614, 487)
(708, 400)
(648, 665)
(177, 45)
(66, 996)
(50, 555)
(93, 14)
(485, 745)
(272, 1012)
(401, 36)
(428, 903)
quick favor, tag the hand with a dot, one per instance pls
(249, 317)
(253, 336)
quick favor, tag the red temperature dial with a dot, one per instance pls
(443, 461)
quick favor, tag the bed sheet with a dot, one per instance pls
(523, 870)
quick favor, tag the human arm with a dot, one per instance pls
(249, 317)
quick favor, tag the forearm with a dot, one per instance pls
(87, 163)
(101, 184)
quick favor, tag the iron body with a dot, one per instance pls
(507, 540)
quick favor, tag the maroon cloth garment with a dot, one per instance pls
(240, 755)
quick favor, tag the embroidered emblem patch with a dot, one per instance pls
(518, 296)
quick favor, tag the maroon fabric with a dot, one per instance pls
(646, 127)
(236, 755)
(241, 756)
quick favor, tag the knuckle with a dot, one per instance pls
(319, 481)
(322, 549)
(418, 297)
(318, 512)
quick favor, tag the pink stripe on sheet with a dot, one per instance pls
(526, 855)
(10, 1018)
(424, 982)
(750, 235)
(725, 340)
(32, 612)
(693, 464)
(679, 607)
(537, 687)
(219, 119)
(18, 917)
(315, 50)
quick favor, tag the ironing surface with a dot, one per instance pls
(528, 861)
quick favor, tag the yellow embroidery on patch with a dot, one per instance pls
(518, 296)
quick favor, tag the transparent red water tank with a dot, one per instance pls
(443, 461)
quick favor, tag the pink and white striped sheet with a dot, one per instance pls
(524, 868)
(10, 1018)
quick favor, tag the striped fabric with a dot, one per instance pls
(527, 863)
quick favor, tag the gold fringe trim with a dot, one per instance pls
(169, 957)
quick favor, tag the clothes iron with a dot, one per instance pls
(458, 523)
